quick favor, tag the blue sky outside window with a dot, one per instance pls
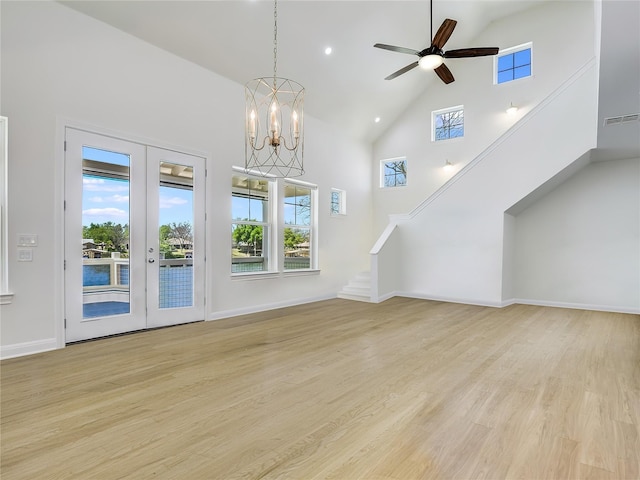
(395, 173)
(514, 65)
(449, 125)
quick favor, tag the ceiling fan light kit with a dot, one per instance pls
(432, 57)
(430, 62)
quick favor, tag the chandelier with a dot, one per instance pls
(274, 136)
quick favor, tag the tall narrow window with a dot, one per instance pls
(298, 239)
(513, 63)
(393, 173)
(105, 232)
(175, 230)
(251, 224)
(338, 202)
(447, 123)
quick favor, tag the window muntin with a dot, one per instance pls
(297, 240)
(251, 224)
(338, 202)
(447, 123)
(512, 64)
(393, 173)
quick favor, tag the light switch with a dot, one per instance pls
(27, 240)
(25, 255)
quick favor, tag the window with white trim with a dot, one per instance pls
(298, 240)
(338, 202)
(512, 64)
(251, 224)
(447, 123)
(393, 173)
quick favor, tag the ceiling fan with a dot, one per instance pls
(432, 57)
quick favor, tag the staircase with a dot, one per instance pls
(358, 288)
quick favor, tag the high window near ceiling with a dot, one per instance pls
(393, 173)
(251, 224)
(447, 123)
(513, 63)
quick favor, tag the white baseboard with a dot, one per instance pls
(386, 296)
(579, 306)
(27, 348)
(269, 306)
(466, 301)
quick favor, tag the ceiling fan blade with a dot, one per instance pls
(443, 33)
(396, 49)
(444, 73)
(411, 66)
(471, 52)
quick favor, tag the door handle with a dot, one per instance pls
(151, 260)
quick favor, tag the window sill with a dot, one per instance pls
(301, 273)
(253, 275)
(237, 277)
(6, 298)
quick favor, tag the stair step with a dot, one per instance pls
(357, 298)
(358, 288)
(355, 290)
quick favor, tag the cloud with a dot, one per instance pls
(113, 199)
(118, 198)
(166, 202)
(105, 212)
(100, 185)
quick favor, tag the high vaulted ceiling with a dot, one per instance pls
(347, 88)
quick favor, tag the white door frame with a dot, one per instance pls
(61, 128)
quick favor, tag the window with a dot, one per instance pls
(393, 173)
(251, 224)
(447, 123)
(512, 64)
(338, 202)
(298, 239)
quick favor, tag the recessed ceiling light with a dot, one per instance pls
(377, 119)
(328, 50)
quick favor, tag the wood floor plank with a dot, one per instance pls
(341, 390)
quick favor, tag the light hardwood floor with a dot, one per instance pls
(403, 390)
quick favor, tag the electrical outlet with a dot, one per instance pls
(25, 255)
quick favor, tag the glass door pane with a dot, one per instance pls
(175, 237)
(105, 233)
(105, 212)
(175, 209)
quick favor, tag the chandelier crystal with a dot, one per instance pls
(274, 130)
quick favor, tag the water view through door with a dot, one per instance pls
(134, 236)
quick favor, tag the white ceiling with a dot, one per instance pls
(234, 38)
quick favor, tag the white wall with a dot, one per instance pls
(453, 245)
(562, 33)
(58, 64)
(580, 244)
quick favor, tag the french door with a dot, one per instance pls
(134, 236)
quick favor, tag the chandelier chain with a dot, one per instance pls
(275, 40)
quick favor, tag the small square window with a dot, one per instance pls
(393, 173)
(447, 123)
(513, 63)
(338, 202)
